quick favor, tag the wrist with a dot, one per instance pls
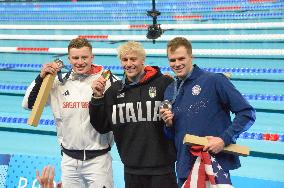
(97, 97)
(168, 125)
(42, 75)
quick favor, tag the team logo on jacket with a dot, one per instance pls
(196, 90)
(121, 95)
(152, 92)
(66, 93)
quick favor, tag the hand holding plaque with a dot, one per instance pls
(48, 73)
(51, 68)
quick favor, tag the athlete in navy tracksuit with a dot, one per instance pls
(202, 102)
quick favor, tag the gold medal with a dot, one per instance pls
(106, 74)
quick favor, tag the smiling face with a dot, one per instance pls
(80, 59)
(132, 57)
(180, 62)
(179, 51)
(80, 55)
(132, 64)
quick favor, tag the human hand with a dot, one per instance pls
(214, 145)
(167, 115)
(98, 87)
(49, 68)
(46, 178)
(168, 74)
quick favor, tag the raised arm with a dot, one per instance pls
(33, 89)
(98, 106)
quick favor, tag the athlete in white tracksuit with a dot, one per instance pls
(86, 160)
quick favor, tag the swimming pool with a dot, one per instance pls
(258, 77)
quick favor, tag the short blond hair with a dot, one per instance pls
(130, 47)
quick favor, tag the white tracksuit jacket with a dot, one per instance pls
(70, 107)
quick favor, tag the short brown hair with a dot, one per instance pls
(79, 43)
(129, 47)
(177, 42)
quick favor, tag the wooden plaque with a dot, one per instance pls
(232, 148)
(41, 100)
(43, 96)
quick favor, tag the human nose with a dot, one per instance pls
(82, 60)
(127, 63)
(176, 64)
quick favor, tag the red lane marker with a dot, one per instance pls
(187, 17)
(32, 49)
(228, 8)
(139, 26)
(274, 137)
(105, 37)
(262, 1)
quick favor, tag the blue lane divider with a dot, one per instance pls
(141, 10)
(5, 119)
(263, 97)
(222, 16)
(122, 4)
(115, 67)
(262, 136)
(246, 70)
(13, 87)
(17, 65)
(245, 135)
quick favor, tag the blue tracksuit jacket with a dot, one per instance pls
(203, 108)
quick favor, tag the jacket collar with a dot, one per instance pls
(196, 72)
(150, 72)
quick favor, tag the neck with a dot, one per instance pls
(187, 75)
(137, 78)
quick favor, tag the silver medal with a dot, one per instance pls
(166, 104)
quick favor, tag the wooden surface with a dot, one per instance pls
(232, 148)
(228, 75)
(41, 100)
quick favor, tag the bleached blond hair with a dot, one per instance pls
(131, 47)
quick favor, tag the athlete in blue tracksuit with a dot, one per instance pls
(202, 102)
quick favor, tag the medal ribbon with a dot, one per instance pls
(178, 88)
